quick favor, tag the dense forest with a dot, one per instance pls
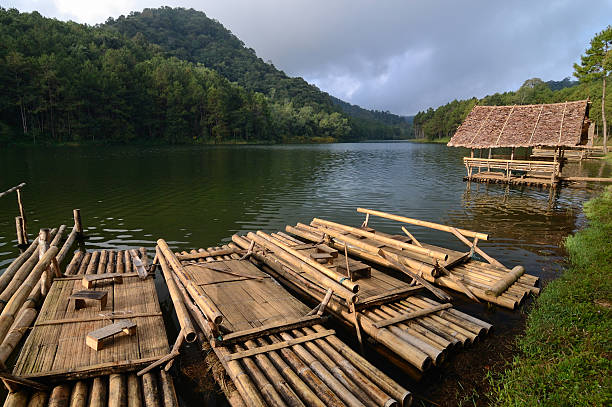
(443, 121)
(163, 76)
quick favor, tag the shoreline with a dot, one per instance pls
(563, 355)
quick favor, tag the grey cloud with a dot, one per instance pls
(405, 56)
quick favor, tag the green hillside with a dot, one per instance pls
(160, 76)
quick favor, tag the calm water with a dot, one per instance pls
(199, 196)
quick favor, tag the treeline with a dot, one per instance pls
(443, 121)
(68, 82)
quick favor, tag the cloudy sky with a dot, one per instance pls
(396, 55)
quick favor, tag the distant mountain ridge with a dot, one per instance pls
(190, 35)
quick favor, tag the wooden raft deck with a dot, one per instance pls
(56, 350)
(394, 314)
(459, 271)
(274, 352)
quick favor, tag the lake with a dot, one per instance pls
(198, 196)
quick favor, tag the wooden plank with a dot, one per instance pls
(278, 345)
(92, 279)
(95, 338)
(411, 315)
(270, 329)
(80, 297)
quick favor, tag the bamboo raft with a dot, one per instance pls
(272, 348)
(56, 348)
(392, 313)
(487, 280)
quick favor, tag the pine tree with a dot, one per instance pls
(596, 63)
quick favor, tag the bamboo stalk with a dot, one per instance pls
(8, 313)
(78, 398)
(323, 279)
(98, 395)
(38, 399)
(168, 391)
(18, 329)
(503, 284)
(203, 301)
(117, 391)
(17, 399)
(336, 277)
(60, 396)
(15, 188)
(134, 392)
(150, 390)
(383, 239)
(177, 301)
(10, 271)
(431, 225)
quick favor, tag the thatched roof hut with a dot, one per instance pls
(556, 125)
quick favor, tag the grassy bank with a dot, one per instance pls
(564, 355)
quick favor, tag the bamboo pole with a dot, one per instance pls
(78, 398)
(14, 304)
(23, 216)
(383, 239)
(16, 399)
(150, 391)
(200, 297)
(320, 278)
(98, 394)
(177, 301)
(10, 271)
(168, 391)
(78, 224)
(15, 188)
(134, 391)
(431, 225)
(21, 239)
(38, 399)
(18, 329)
(503, 284)
(60, 396)
(117, 391)
(337, 277)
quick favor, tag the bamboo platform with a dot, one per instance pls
(392, 313)
(121, 389)
(56, 349)
(272, 348)
(490, 281)
(496, 177)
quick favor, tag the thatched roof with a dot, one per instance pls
(555, 125)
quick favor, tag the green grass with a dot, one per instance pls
(565, 354)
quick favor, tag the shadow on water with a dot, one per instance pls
(199, 196)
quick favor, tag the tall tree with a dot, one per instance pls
(595, 64)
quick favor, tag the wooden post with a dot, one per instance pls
(78, 225)
(19, 231)
(22, 214)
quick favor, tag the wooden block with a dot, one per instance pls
(358, 270)
(321, 257)
(94, 339)
(139, 266)
(80, 298)
(91, 279)
(323, 248)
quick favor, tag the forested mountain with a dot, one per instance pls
(162, 76)
(443, 121)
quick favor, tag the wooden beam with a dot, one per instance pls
(270, 329)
